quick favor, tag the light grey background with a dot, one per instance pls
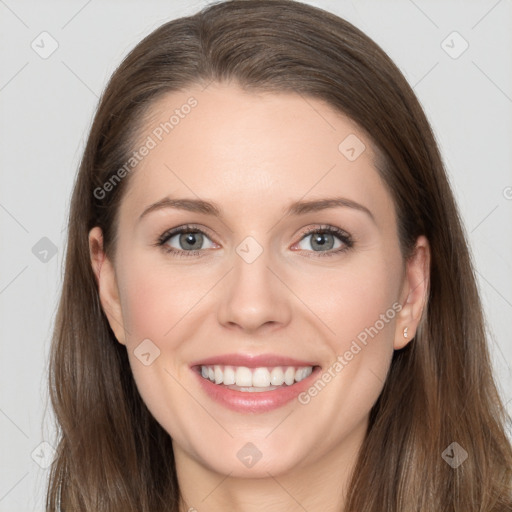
(46, 109)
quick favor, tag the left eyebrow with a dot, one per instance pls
(303, 207)
(295, 209)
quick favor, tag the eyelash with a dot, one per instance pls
(342, 235)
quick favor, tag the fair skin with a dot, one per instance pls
(253, 155)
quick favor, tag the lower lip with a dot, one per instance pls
(259, 401)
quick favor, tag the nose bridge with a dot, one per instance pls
(253, 295)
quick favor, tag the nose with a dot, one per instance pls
(254, 297)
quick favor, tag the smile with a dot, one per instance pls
(244, 379)
(250, 385)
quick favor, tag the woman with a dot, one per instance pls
(320, 345)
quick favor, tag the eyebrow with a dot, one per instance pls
(295, 209)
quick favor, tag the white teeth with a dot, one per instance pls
(302, 373)
(252, 389)
(261, 378)
(243, 376)
(217, 372)
(248, 379)
(229, 375)
(276, 377)
(289, 376)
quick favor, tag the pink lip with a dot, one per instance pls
(258, 402)
(252, 361)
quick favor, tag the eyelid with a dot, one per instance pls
(345, 238)
(180, 229)
(325, 228)
(341, 234)
(171, 233)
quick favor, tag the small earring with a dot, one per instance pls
(405, 332)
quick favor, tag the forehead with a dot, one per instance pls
(248, 150)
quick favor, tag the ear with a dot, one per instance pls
(107, 284)
(414, 293)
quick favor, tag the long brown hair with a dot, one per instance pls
(112, 455)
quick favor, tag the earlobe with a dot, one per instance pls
(107, 284)
(414, 293)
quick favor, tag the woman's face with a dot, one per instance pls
(249, 296)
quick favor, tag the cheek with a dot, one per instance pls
(156, 304)
(155, 301)
(358, 300)
(360, 306)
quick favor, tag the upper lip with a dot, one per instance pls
(252, 361)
